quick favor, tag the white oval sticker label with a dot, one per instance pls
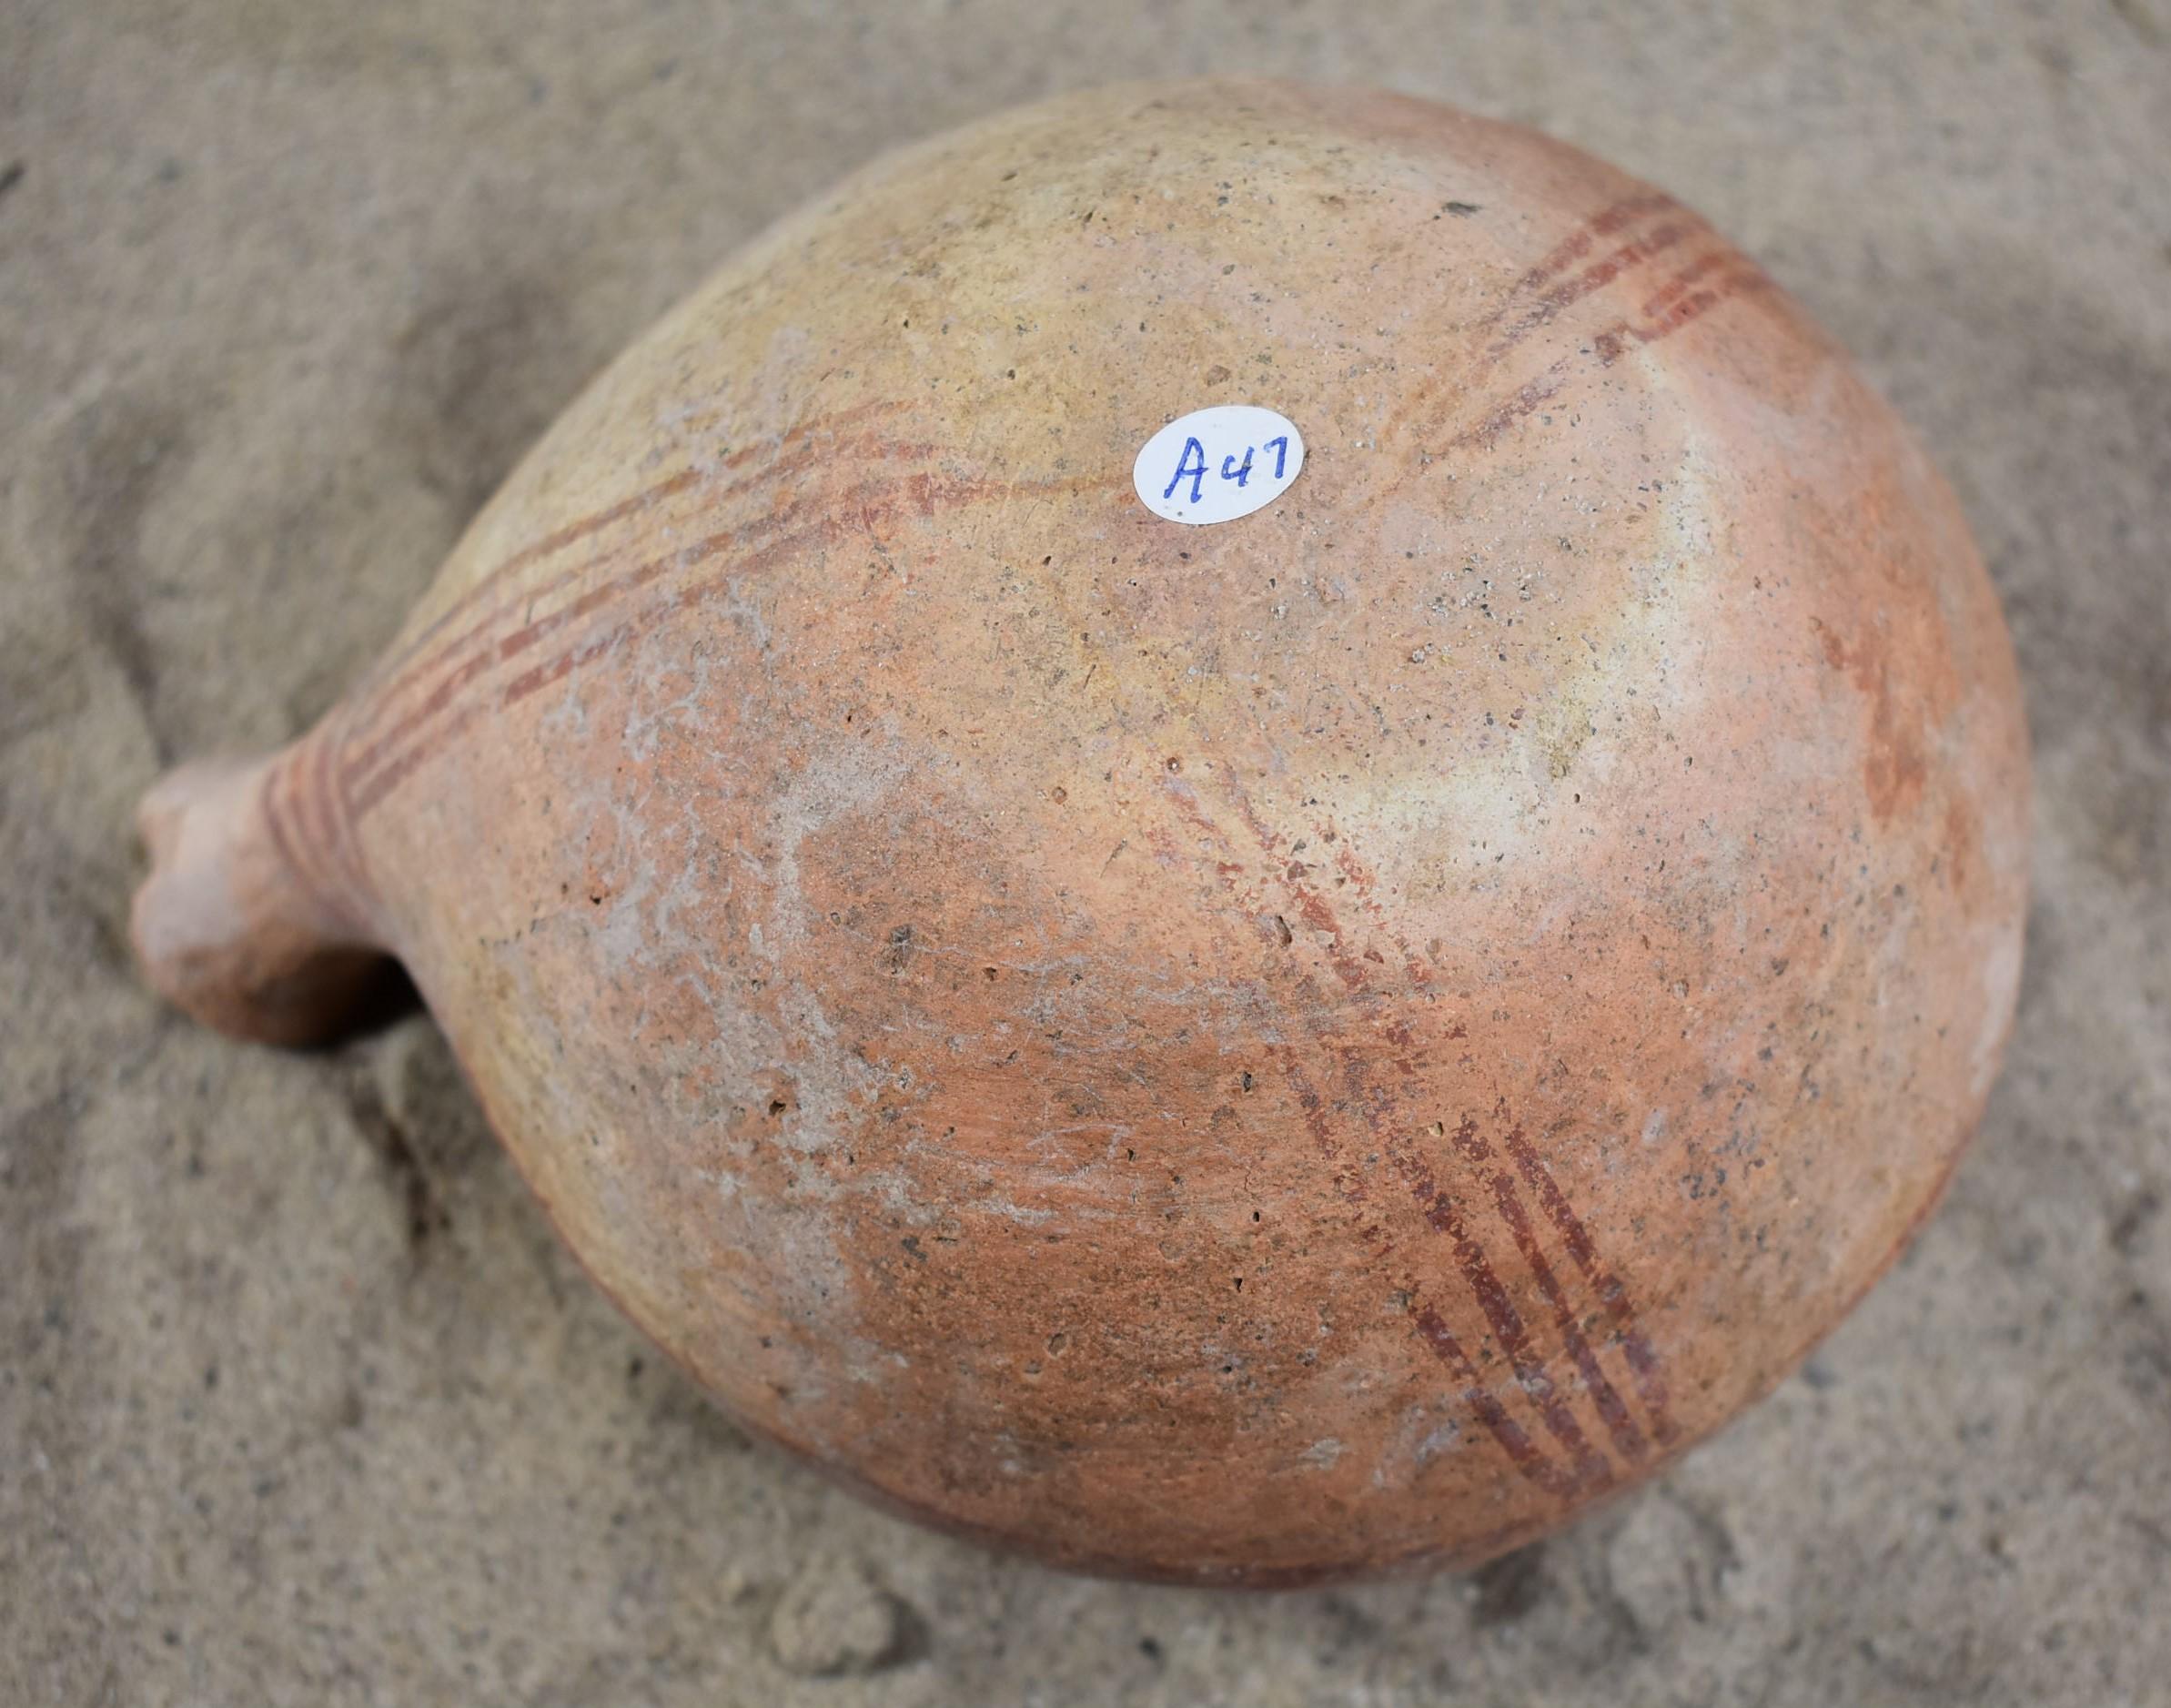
(1217, 464)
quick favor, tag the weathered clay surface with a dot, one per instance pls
(1248, 1053)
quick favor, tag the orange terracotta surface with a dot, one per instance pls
(1252, 1052)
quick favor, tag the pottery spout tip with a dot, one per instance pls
(231, 925)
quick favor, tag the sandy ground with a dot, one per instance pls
(300, 1402)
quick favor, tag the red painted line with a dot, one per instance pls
(1378, 1108)
(1486, 433)
(511, 645)
(1643, 1362)
(556, 669)
(384, 695)
(1613, 343)
(299, 852)
(1611, 1407)
(275, 823)
(1605, 223)
(1525, 1454)
(319, 839)
(578, 529)
(1610, 221)
(866, 506)
(1474, 1149)
(367, 797)
(1347, 1181)
(1529, 1459)
(324, 796)
(333, 736)
(1441, 1212)
(368, 793)
(1607, 348)
(1682, 280)
(1593, 277)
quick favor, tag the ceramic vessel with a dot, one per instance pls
(1252, 1052)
